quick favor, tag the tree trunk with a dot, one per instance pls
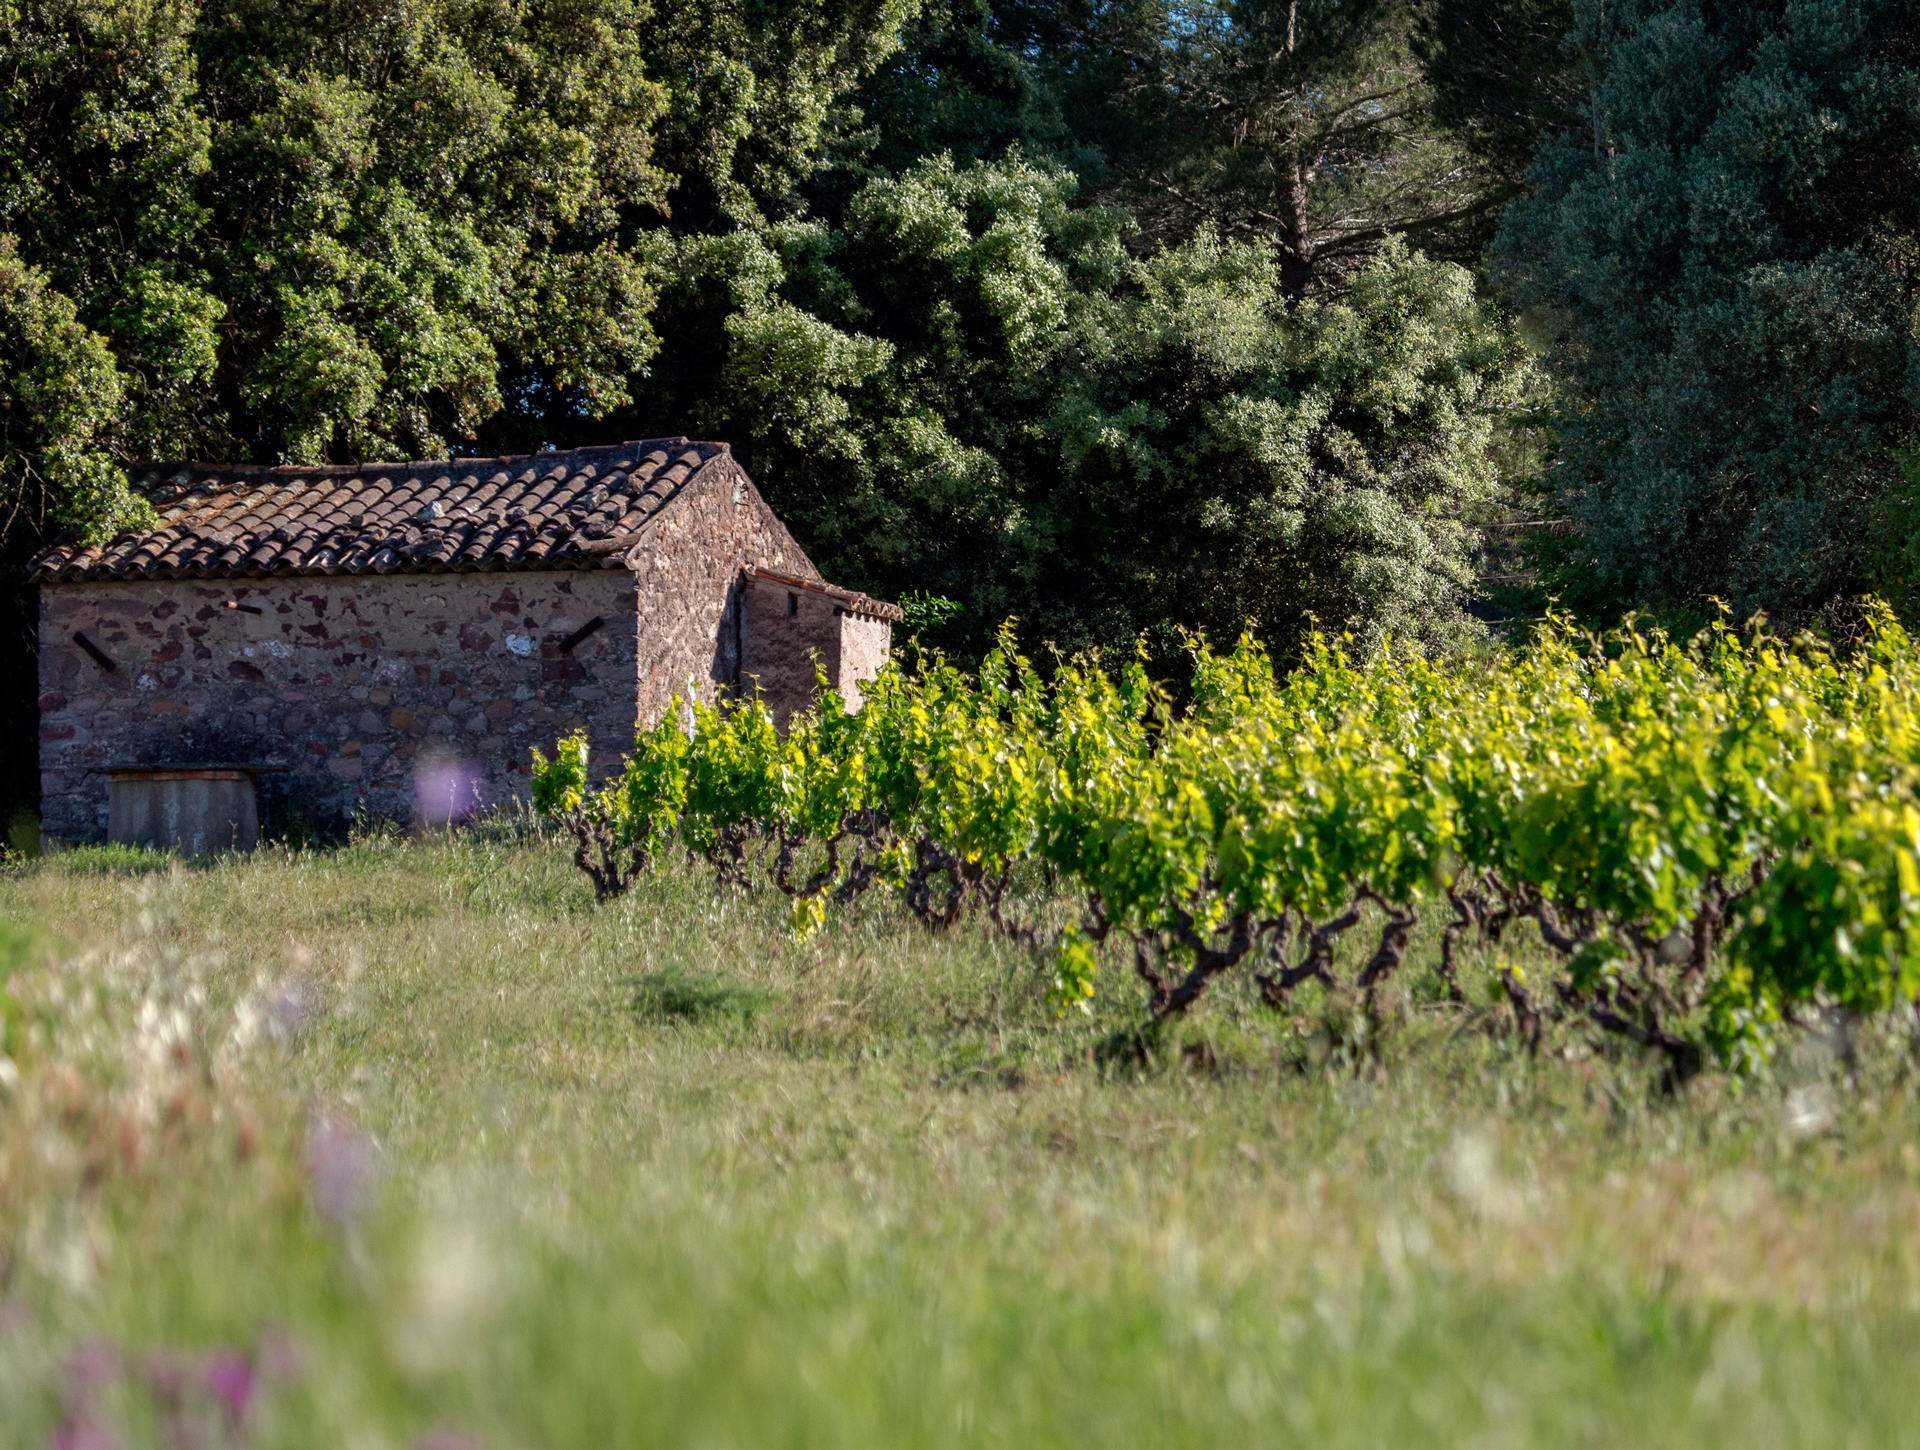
(1296, 243)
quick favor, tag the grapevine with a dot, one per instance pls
(1710, 836)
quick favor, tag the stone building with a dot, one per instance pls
(389, 640)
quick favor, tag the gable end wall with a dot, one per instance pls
(687, 576)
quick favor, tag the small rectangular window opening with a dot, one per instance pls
(793, 605)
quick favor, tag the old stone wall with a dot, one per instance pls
(391, 695)
(789, 635)
(865, 643)
(786, 636)
(686, 569)
(400, 696)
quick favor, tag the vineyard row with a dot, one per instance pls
(1710, 836)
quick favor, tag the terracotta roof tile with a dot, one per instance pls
(538, 511)
(850, 600)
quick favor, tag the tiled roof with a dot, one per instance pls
(850, 600)
(573, 510)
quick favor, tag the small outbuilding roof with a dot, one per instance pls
(571, 510)
(850, 600)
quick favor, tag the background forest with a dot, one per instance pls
(1118, 316)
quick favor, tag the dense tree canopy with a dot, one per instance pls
(1310, 124)
(1118, 315)
(1505, 76)
(975, 388)
(866, 243)
(336, 230)
(1307, 123)
(1724, 269)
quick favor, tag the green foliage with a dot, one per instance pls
(328, 231)
(1505, 73)
(922, 611)
(969, 80)
(1309, 124)
(1710, 835)
(16, 951)
(1893, 548)
(1720, 266)
(1076, 968)
(117, 860)
(973, 389)
(756, 93)
(560, 784)
(60, 391)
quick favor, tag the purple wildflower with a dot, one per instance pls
(84, 1433)
(229, 1378)
(340, 1169)
(93, 1365)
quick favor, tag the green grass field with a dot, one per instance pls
(421, 1147)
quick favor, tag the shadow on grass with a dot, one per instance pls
(676, 995)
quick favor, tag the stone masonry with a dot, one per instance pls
(412, 692)
(793, 629)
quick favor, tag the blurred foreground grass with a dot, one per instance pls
(408, 1144)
